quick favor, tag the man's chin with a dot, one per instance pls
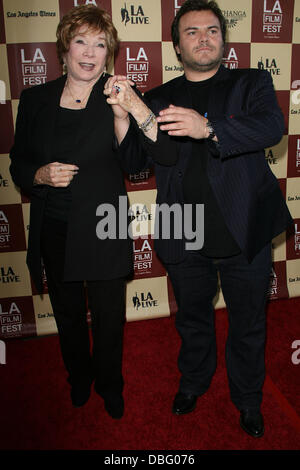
(204, 67)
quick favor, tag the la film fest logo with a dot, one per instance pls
(4, 230)
(273, 283)
(133, 15)
(142, 256)
(34, 69)
(11, 320)
(233, 17)
(144, 300)
(137, 67)
(140, 177)
(297, 238)
(231, 61)
(272, 16)
(177, 5)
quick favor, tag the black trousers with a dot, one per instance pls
(106, 299)
(245, 288)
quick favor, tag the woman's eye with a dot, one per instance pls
(101, 44)
(79, 41)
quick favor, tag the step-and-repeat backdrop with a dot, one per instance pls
(261, 34)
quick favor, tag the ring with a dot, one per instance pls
(117, 88)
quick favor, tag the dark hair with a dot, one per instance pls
(94, 19)
(196, 5)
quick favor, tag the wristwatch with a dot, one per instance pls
(211, 130)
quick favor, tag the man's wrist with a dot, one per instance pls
(210, 133)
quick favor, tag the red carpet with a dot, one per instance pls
(36, 413)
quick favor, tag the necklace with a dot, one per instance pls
(77, 100)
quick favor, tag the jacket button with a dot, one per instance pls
(180, 174)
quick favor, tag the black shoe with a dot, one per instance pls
(80, 393)
(114, 405)
(252, 422)
(184, 403)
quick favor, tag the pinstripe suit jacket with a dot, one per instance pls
(245, 115)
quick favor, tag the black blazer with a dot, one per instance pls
(245, 115)
(100, 180)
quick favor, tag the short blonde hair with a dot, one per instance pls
(94, 19)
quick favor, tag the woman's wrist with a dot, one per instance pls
(119, 119)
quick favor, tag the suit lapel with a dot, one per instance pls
(218, 96)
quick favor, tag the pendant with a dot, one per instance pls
(78, 101)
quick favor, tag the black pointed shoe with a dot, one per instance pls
(114, 405)
(252, 422)
(184, 403)
(80, 393)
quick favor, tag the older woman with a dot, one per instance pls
(64, 157)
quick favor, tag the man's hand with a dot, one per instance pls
(56, 174)
(183, 122)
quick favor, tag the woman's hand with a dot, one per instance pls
(124, 100)
(112, 89)
(121, 96)
(56, 174)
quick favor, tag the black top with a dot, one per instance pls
(99, 181)
(66, 127)
(218, 241)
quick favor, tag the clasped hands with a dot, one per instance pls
(176, 120)
(58, 175)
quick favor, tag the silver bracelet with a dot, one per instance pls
(148, 123)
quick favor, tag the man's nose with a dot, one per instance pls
(203, 36)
